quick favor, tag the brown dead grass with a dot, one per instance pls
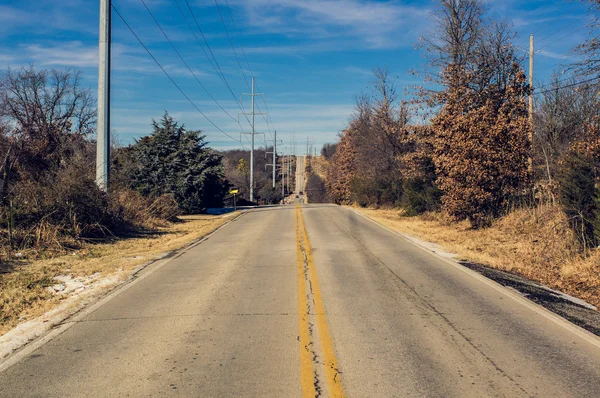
(23, 286)
(535, 243)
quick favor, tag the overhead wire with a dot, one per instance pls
(186, 64)
(239, 63)
(569, 57)
(190, 69)
(231, 43)
(561, 29)
(246, 59)
(214, 63)
(562, 37)
(169, 76)
(563, 87)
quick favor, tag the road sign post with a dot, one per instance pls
(234, 192)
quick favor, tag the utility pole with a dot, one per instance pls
(531, 52)
(252, 149)
(274, 164)
(289, 173)
(252, 133)
(103, 135)
(283, 169)
(274, 158)
(307, 150)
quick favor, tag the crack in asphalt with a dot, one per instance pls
(310, 311)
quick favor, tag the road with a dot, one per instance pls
(295, 302)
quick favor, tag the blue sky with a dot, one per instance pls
(310, 57)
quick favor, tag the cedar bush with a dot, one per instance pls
(420, 195)
(176, 161)
(580, 197)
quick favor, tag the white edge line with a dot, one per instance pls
(579, 331)
(73, 319)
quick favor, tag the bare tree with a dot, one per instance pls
(562, 116)
(589, 50)
(384, 86)
(42, 100)
(493, 58)
(48, 112)
(466, 42)
(458, 29)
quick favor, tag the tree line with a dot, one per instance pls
(465, 143)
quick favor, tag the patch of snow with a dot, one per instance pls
(162, 255)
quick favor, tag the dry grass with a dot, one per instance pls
(535, 243)
(23, 286)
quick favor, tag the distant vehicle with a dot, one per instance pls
(297, 196)
(301, 193)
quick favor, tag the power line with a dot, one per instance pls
(567, 86)
(220, 71)
(169, 76)
(525, 41)
(555, 32)
(238, 60)
(563, 37)
(185, 63)
(554, 65)
(190, 69)
(245, 58)
(224, 80)
(563, 28)
(215, 64)
(231, 43)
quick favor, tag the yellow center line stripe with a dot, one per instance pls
(332, 375)
(306, 364)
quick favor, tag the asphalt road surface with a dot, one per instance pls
(291, 302)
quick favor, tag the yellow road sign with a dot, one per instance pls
(234, 191)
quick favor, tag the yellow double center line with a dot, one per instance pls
(308, 273)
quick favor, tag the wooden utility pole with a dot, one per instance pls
(531, 124)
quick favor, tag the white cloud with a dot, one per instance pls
(555, 55)
(371, 24)
(71, 54)
(75, 54)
